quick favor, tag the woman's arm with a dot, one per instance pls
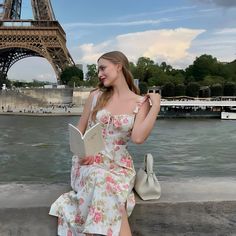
(83, 121)
(145, 119)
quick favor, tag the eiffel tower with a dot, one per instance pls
(42, 37)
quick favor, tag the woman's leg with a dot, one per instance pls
(125, 228)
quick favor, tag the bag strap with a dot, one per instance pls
(148, 162)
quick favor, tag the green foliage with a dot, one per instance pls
(143, 87)
(210, 80)
(168, 90)
(192, 89)
(203, 66)
(91, 75)
(205, 92)
(180, 90)
(230, 89)
(69, 73)
(216, 90)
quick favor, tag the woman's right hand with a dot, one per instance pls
(89, 160)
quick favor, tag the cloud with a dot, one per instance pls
(124, 23)
(222, 3)
(229, 31)
(170, 45)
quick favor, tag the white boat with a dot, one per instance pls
(228, 115)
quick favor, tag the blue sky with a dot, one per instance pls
(175, 31)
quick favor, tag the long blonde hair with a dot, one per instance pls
(115, 57)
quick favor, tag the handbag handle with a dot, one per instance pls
(148, 163)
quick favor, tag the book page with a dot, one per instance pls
(76, 141)
(93, 140)
(88, 144)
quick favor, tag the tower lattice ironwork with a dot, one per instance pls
(42, 37)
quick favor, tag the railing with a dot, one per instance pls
(30, 23)
(198, 103)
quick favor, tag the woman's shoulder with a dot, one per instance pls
(94, 92)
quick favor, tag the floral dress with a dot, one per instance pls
(103, 189)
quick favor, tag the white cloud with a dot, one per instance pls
(124, 23)
(226, 31)
(170, 45)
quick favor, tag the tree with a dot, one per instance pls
(142, 70)
(180, 90)
(203, 66)
(143, 87)
(229, 89)
(75, 82)
(192, 89)
(168, 90)
(166, 68)
(69, 72)
(92, 75)
(216, 90)
(211, 79)
(205, 92)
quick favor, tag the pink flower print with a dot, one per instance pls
(91, 210)
(97, 159)
(117, 123)
(97, 217)
(126, 186)
(104, 119)
(125, 120)
(69, 233)
(126, 161)
(120, 142)
(81, 201)
(109, 232)
(77, 173)
(109, 179)
(108, 188)
(123, 171)
(60, 221)
(116, 148)
(77, 219)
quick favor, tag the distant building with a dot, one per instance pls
(154, 89)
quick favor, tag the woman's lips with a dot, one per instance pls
(102, 79)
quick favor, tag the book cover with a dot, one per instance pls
(88, 144)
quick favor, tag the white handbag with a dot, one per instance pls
(147, 185)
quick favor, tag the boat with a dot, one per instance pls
(229, 115)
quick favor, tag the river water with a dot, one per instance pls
(35, 149)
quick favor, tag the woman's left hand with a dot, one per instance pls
(155, 99)
(89, 160)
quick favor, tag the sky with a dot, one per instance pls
(174, 31)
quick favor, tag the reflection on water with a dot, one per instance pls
(36, 148)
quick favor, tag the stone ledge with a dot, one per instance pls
(202, 206)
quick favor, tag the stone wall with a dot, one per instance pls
(11, 99)
(50, 95)
(189, 207)
(80, 96)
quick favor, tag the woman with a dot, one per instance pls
(102, 197)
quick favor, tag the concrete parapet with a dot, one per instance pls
(187, 207)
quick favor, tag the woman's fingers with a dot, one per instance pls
(89, 160)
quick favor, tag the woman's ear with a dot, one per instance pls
(119, 67)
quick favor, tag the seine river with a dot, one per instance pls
(35, 149)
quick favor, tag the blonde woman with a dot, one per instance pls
(102, 196)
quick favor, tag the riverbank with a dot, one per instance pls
(200, 206)
(77, 111)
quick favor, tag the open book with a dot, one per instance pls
(88, 144)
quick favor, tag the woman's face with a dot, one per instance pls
(107, 72)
